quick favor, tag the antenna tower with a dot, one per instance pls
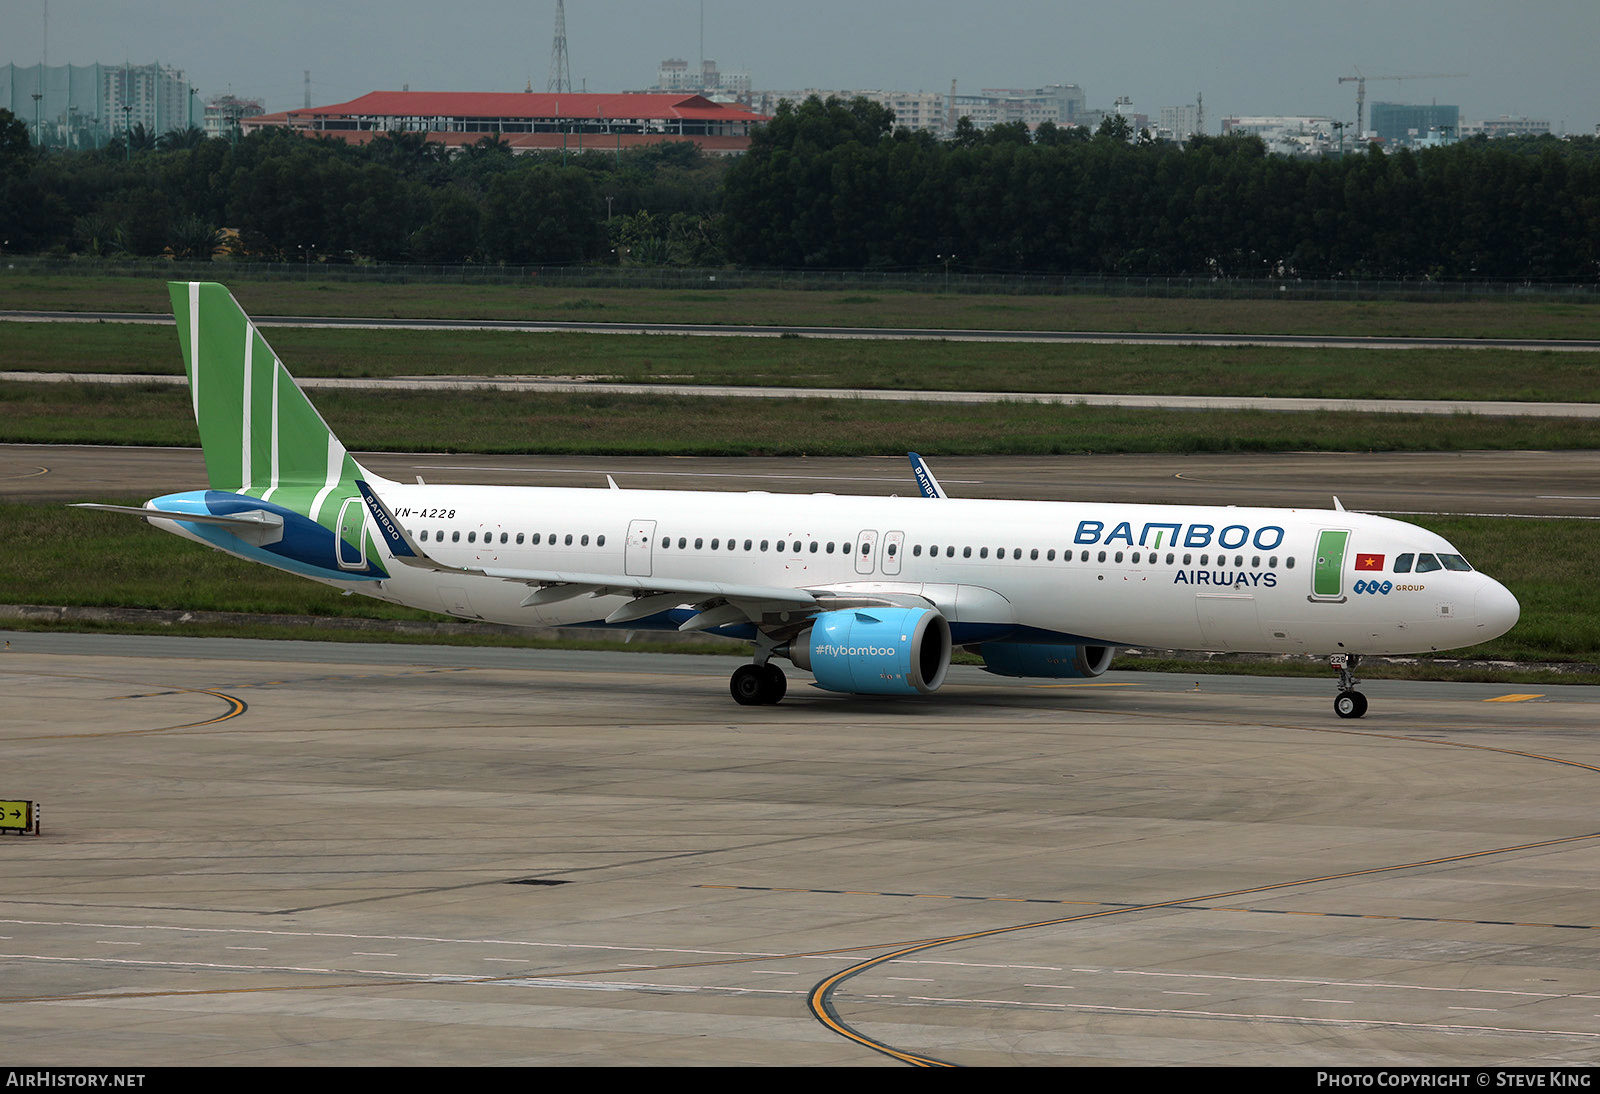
(560, 74)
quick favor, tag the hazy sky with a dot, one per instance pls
(1531, 57)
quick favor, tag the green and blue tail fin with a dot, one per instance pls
(261, 435)
(284, 492)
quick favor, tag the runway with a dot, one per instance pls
(1545, 484)
(278, 853)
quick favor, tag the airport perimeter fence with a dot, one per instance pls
(722, 280)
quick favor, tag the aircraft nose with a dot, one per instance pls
(1496, 609)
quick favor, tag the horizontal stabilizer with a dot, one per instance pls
(257, 526)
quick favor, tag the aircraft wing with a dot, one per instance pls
(717, 602)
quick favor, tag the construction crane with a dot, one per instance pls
(1361, 89)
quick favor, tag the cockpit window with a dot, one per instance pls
(1402, 563)
(1425, 563)
(1454, 562)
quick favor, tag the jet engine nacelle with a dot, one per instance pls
(1056, 662)
(876, 651)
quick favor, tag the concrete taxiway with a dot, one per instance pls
(274, 853)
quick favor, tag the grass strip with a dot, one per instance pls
(597, 422)
(1515, 318)
(829, 363)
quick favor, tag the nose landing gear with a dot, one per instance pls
(1349, 703)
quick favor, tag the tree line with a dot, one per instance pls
(835, 185)
(275, 195)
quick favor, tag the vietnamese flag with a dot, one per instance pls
(1369, 562)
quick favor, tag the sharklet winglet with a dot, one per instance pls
(926, 483)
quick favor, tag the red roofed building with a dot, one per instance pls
(527, 121)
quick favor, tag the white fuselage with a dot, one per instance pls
(1183, 577)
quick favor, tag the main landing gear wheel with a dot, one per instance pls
(757, 685)
(1350, 704)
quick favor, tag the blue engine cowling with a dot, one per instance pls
(876, 651)
(1055, 662)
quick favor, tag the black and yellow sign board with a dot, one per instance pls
(20, 817)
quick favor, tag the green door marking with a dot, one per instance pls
(1328, 578)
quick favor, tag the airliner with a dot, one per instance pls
(870, 595)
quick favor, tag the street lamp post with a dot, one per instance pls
(946, 259)
(38, 123)
(306, 249)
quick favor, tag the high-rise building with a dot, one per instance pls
(1178, 123)
(84, 105)
(1400, 123)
